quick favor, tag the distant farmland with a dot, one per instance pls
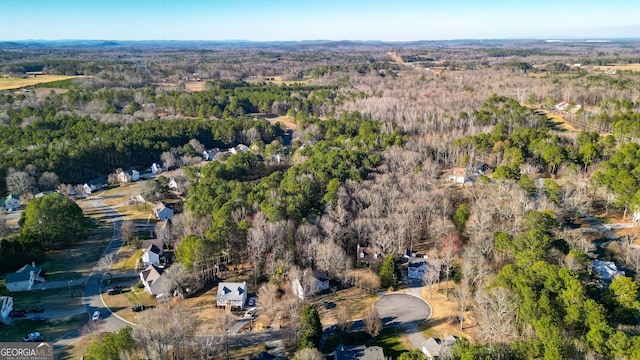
(16, 83)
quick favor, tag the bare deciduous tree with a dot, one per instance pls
(496, 313)
(268, 299)
(165, 328)
(432, 275)
(308, 354)
(19, 182)
(344, 318)
(48, 181)
(372, 323)
(128, 231)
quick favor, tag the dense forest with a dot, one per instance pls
(357, 145)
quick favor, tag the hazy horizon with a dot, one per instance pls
(331, 20)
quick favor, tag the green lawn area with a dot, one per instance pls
(50, 299)
(388, 340)
(50, 329)
(77, 261)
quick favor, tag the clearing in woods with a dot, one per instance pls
(16, 83)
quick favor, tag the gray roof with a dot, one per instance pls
(22, 274)
(229, 291)
(360, 352)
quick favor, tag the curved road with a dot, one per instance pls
(91, 294)
(405, 311)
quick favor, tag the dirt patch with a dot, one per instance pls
(196, 85)
(442, 311)
(286, 121)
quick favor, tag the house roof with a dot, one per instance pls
(154, 249)
(360, 352)
(159, 206)
(607, 270)
(229, 291)
(432, 346)
(321, 275)
(12, 196)
(151, 274)
(146, 244)
(416, 262)
(365, 254)
(22, 274)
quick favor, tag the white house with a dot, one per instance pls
(310, 284)
(432, 348)
(172, 184)
(162, 212)
(93, 185)
(232, 294)
(151, 254)
(6, 303)
(155, 168)
(24, 278)
(416, 267)
(210, 155)
(11, 202)
(152, 280)
(562, 106)
(128, 176)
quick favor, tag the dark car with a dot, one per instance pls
(17, 313)
(115, 290)
(38, 319)
(37, 310)
(138, 308)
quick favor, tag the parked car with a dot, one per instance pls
(17, 313)
(95, 316)
(34, 336)
(37, 310)
(252, 301)
(38, 319)
(138, 308)
(251, 312)
(115, 290)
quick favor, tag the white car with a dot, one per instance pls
(251, 312)
(34, 336)
(96, 315)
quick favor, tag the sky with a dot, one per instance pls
(285, 20)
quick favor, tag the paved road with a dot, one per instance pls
(91, 295)
(405, 311)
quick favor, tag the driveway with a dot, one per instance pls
(405, 311)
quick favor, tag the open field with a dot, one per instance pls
(631, 67)
(16, 83)
(286, 122)
(277, 80)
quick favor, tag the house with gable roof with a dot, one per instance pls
(232, 294)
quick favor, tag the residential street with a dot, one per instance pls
(91, 293)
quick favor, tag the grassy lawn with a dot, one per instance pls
(355, 299)
(77, 261)
(388, 340)
(127, 259)
(16, 83)
(246, 352)
(121, 304)
(50, 329)
(50, 299)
